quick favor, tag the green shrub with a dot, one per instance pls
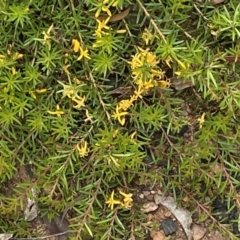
(86, 98)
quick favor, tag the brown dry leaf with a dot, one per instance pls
(217, 1)
(232, 59)
(116, 17)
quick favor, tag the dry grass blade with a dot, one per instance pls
(151, 20)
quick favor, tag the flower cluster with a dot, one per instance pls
(83, 148)
(125, 202)
(144, 65)
(102, 21)
(105, 5)
(71, 92)
(146, 75)
(57, 112)
(46, 35)
(147, 36)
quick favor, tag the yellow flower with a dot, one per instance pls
(132, 137)
(79, 101)
(183, 66)
(121, 31)
(184, 70)
(57, 112)
(115, 133)
(89, 118)
(127, 201)
(141, 58)
(148, 85)
(147, 36)
(32, 94)
(136, 61)
(115, 3)
(2, 57)
(82, 149)
(125, 104)
(151, 58)
(14, 71)
(112, 160)
(111, 201)
(77, 81)
(83, 53)
(99, 42)
(106, 9)
(98, 13)
(120, 116)
(43, 90)
(65, 69)
(17, 55)
(138, 93)
(168, 60)
(201, 120)
(101, 25)
(68, 90)
(157, 73)
(46, 35)
(164, 84)
(76, 45)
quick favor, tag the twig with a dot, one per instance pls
(111, 225)
(99, 97)
(229, 179)
(152, 21)
(86, 214)
(199, 11)
(36, 238)
(170, 143)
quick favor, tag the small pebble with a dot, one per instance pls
(198, 232)
(150, 197)
(149, 207)
(146, 193)
(167, 214)
(141, 196)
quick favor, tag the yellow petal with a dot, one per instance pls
(76, 45)
(43, 90)
(121, 31)
(106, 9)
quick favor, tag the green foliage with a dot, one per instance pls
(86, 104)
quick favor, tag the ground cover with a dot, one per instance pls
(101, 101)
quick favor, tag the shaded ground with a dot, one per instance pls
(54, 230)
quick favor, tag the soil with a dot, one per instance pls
(200, 231)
